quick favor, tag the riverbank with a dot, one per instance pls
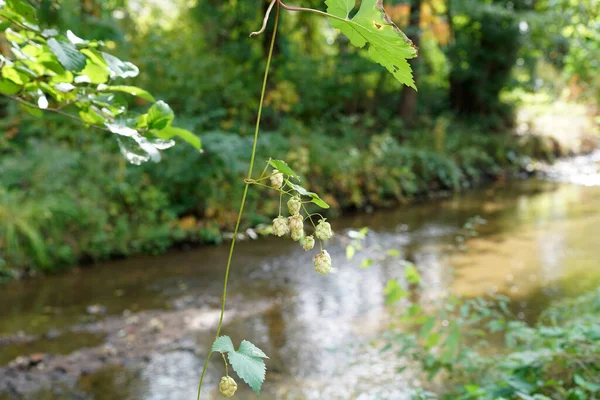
(72, 205)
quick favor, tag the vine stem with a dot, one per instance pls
(54, 110)
(303, 9)
(247, 185)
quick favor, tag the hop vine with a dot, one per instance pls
(281, 181)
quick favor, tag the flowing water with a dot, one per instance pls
(539, 244)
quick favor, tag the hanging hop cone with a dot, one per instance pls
(323, 263)
(280, 226)
(308, 243)
(227, 386)
(323, 231)
(296, 222)
(276, 179)
(294, 205)
(297, 235)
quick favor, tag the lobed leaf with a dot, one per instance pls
(223, 344)
(387, 44)
(251, 369)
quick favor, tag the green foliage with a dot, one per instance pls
(557, 358)
(62, 72)
(387, 44)
(247, 360)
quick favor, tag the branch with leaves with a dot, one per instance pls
(67, 75)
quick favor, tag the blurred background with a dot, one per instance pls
(505, 89)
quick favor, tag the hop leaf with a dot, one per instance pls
(246, 361)
(387, 44)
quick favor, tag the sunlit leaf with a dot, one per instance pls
(67, 55)
(282, 167)
(371, 27)
(170, 131)
(132, 90)
(118, 68)
(160, 116)
(9, 87)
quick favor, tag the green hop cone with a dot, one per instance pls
(294, 205)
(297, 235)
(323, 231)
(323, 263)
(276, 179)
(280, 226)
(227, 386)
(308, 243)
(296, 223)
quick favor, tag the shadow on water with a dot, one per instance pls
(540, 243)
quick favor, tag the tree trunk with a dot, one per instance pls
(408, 105)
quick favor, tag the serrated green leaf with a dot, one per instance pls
(223, 344)
(67, 55)
(282, 167)
(251, 350)
(170, 131)
(9, 87)
(387, 44)
(251, 369)
(132, 90)
(160, 116)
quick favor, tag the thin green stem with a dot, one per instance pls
(247, 185)
(303, 9)
(280, 197)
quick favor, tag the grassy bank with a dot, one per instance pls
(73, 199)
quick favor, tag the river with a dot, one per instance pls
(540, 243)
